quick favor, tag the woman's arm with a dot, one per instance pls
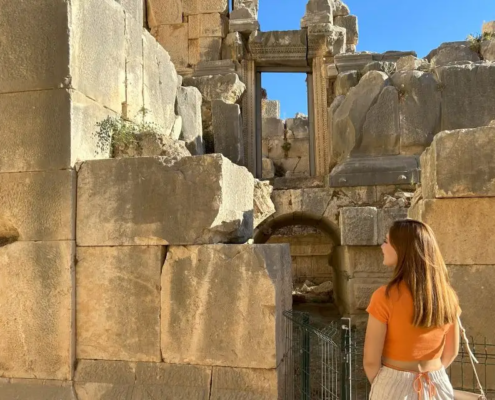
(373, 347)
(451, 349)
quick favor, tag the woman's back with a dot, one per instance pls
(406, 346)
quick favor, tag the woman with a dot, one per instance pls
(412, 334)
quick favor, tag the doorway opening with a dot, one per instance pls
(285, 133)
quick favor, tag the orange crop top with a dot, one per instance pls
(404, 341)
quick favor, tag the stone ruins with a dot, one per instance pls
(157, 214)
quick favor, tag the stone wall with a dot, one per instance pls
(457, 200)
(147, 239)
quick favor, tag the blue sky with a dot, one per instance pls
(383, 25)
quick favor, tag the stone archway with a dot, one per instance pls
(268, 228)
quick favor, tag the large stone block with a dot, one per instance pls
(359, 226)
(164, 12)
(226, 87)
(452, 52)
(272, 127)
(37, 301)
(268, 168)
(134, 67)
(30, 389)
(207, 25)
(233, 47)
(135, 9)
(100, 380)
(475, 285)
(419, 107)
(298, 126)
(129, 202)
(467, 98)
(270, 108)
(222, 305)
(349, 118)
(227, 130)
(118, 303)
(345, 82)
(458, 225)
(86, 143)
(350, 23)
(40, 205)
(97, 28)
(244, 384)
(211, 6)
(189, 108)
(362, 261)
(160, 84)
(37, 48)
(205, 49)
(386, 218)
(381, 130)
(449, 164)
(488, 50)
(35, 131)
(174, 39)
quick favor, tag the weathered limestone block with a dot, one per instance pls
(386, 218)
(212, 6)
(359, 226)
(160, 84)
(317, 12)
(189, 108)
(243, 20)
(245, 384)
(330, 38)
(35, 131)
(38, 49)
(488, 27)
(135, 9)
(454, 220)
(363, 289)
(227, 130)
(240, 325)
(345, 82)
(99, 380)
(268, 168)
(460, 164)
(207, 25)
(419, 107)
(40, 205)
(272, 128)
(411, 63)
(340, 9)
(36, 389)
(132, 108)
(488, 50)
(118, 303)
(350, 23)
(381, 129)
(177, 129)
(164, 12)
(298, 126)
(205, 49)
(101, 76)
(233, 47)
(270, 108)
(251, 5)
(362, 261)
(349, 118)
(389, 67)
(467, 95)
(174, 39)
(294, 166)
(337, 143)
(475, 285)
(36, 296)
(226, 87)
(451, 52)
(152, 145)
(263, 204)
(117, 204)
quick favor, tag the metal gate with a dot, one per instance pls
(325, 361)
(322, 361)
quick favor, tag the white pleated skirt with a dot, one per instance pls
(391, 384)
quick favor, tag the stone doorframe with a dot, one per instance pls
(299, 53)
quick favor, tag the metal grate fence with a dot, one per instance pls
(325, 361)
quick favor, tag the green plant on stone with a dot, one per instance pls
(118, 133)
(476, 40)
(286, 147)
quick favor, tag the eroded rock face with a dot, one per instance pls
(451, 52)
(137, 201)
(226, 87)
(345, 82)
(263, 204)
(189, 102)
(349, 118)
